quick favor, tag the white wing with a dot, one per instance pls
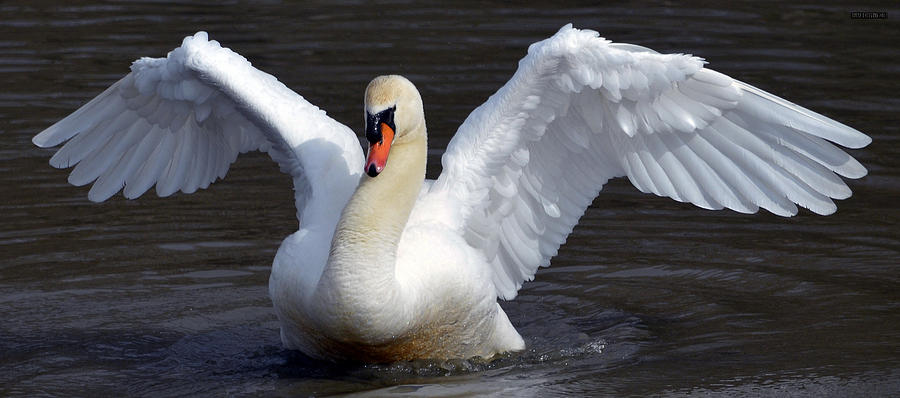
(179, 122)
(580, 110)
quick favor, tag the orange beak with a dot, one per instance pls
(378, 151)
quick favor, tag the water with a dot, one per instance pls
(168, 297)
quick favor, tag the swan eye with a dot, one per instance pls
(373, 124)
(380, 134)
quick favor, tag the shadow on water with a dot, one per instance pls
(168, 363)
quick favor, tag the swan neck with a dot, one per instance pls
(365, 243)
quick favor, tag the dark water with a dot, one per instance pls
(167, 297)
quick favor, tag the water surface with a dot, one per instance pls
(168, 297)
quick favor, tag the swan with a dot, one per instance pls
(387, 266)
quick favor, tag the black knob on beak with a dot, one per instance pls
(373, 124)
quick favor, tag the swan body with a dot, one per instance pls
(389, 266)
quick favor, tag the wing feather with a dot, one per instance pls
(580, 110)
(179, 122)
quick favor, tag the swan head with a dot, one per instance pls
(394, 115)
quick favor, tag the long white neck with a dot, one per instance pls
(364, 248)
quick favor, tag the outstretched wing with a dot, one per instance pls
(179, 122)
(580, 110)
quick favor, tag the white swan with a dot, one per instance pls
(384, 267)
